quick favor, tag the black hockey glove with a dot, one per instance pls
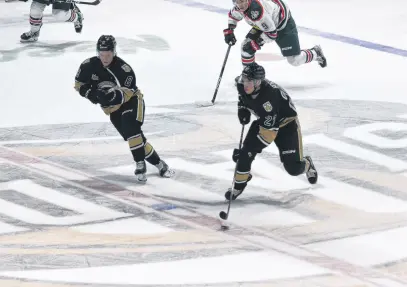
(243, 114)
(235, 155)
(87, 92)
(230, 38)
(110, 97)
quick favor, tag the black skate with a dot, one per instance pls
(79, 23)
(235, 193)
(29, 37)
(164, 170)
(140, 171)
(311, 173)
(320, 56)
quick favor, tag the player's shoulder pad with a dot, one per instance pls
(255, 11)
(123, 65)
(90, 63)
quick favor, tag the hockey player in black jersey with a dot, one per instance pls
(276, 122)
(109, 81)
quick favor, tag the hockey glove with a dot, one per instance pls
(235, 155)
(110, 97)
(87, 92)
(230, 38)
(251, 46)
(244, 115)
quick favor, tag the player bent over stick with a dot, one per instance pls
(271, 21)
(276, 121)
(109, 81)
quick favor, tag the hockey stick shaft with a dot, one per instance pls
(234, 174)
(221, 74)
(93, 3)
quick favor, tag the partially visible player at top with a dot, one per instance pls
(271, 20)
(61, 11)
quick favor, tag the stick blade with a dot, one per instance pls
(204, 104)
(223, 215)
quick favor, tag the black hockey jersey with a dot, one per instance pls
(271, 105)
(119, 76)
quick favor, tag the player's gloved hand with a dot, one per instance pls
(104, 97)
(109, 97)
(86, 91)
(244, 115)
(235, 155)
(230, 38)
(250, 46)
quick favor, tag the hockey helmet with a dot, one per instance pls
(252, 76)
(254, 72)
(106, 43)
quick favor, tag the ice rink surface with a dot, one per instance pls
(71, 213)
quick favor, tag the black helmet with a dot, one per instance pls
(254, 72)
(106, 43)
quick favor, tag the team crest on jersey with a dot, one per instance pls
(256, 11)
(106, 85)
(254, 14)
(126, 68)
(95, 77)
(267, 107)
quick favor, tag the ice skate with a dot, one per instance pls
(164, 169)
(140, 171)
(320, 56)
(29, 37)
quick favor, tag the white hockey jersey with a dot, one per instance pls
(269, 16)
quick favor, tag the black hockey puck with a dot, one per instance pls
(223, 215)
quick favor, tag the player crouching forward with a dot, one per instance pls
(109, 81)
(271, 21)
(276, 121)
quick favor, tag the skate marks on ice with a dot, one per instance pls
(52, 49)
(79, 206)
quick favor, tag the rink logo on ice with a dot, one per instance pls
(49, 49)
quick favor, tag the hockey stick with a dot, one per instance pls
(225, 215)
(94, 3)
(219, 79)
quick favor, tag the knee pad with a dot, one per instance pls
(294, 168)
(37, 9)
(295, 60)
(61, 15)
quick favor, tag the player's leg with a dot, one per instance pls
(68, 12)
(244, 161)
(289, 143)
(132, 119)
(289, 44)
(36, 12)
(250, 45)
